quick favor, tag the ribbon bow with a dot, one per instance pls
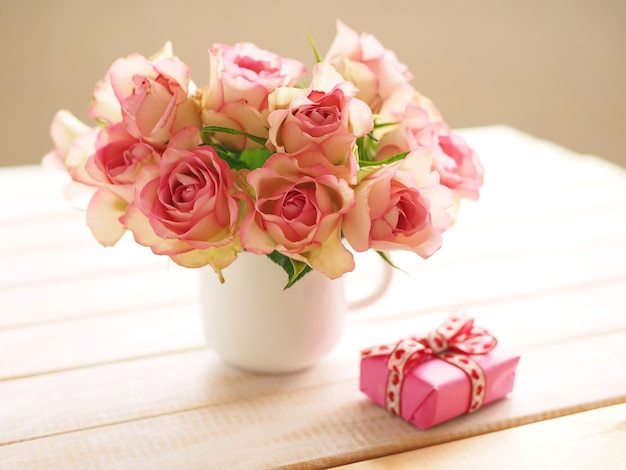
(453, 341)
(456, 334)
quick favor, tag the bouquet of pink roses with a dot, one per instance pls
(259, 160)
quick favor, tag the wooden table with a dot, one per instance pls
(103, 362)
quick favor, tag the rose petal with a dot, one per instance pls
(103, 217)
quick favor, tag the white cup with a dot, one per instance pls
(255, 325)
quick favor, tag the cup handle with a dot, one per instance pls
(378, 293)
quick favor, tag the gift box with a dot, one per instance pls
(453, 370)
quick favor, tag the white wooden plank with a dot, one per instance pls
(332, 424)
(29, 182)
(32, 267)
(498, 277)
(28, 192)
(96, 340)
(120, 391)
(582, 287)
(499, 146)
(102, 280)
(586, 440)
(518, 322)
(52, 231)
(97, 294)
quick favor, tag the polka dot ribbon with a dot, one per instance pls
(452, 342)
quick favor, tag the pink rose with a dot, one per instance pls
(74, 142)
(415, 131)
(245, 72)
(330, 120)
(153, 96)
(242, 77)
(108, 159)
(118, 159)
(113, 169)
(459, 166)
(64, 130)
(374, 70)
(187, 206)
(74, 145)
(394, 107)
(105, 105)
(400, 206)
(234, 115)
(298, 212)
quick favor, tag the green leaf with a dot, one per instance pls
(255, 158)
(206, 130)
(229, 156)
(371, 136)
(393, 158)
(384, 256)
(316, 52)
(365, 151)
(295, 269)
(378, 125)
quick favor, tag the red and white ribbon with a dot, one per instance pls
(452, 342)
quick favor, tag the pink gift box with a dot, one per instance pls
(434, 390)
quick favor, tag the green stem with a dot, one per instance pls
(228, 130)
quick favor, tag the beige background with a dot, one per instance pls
(553, 68)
